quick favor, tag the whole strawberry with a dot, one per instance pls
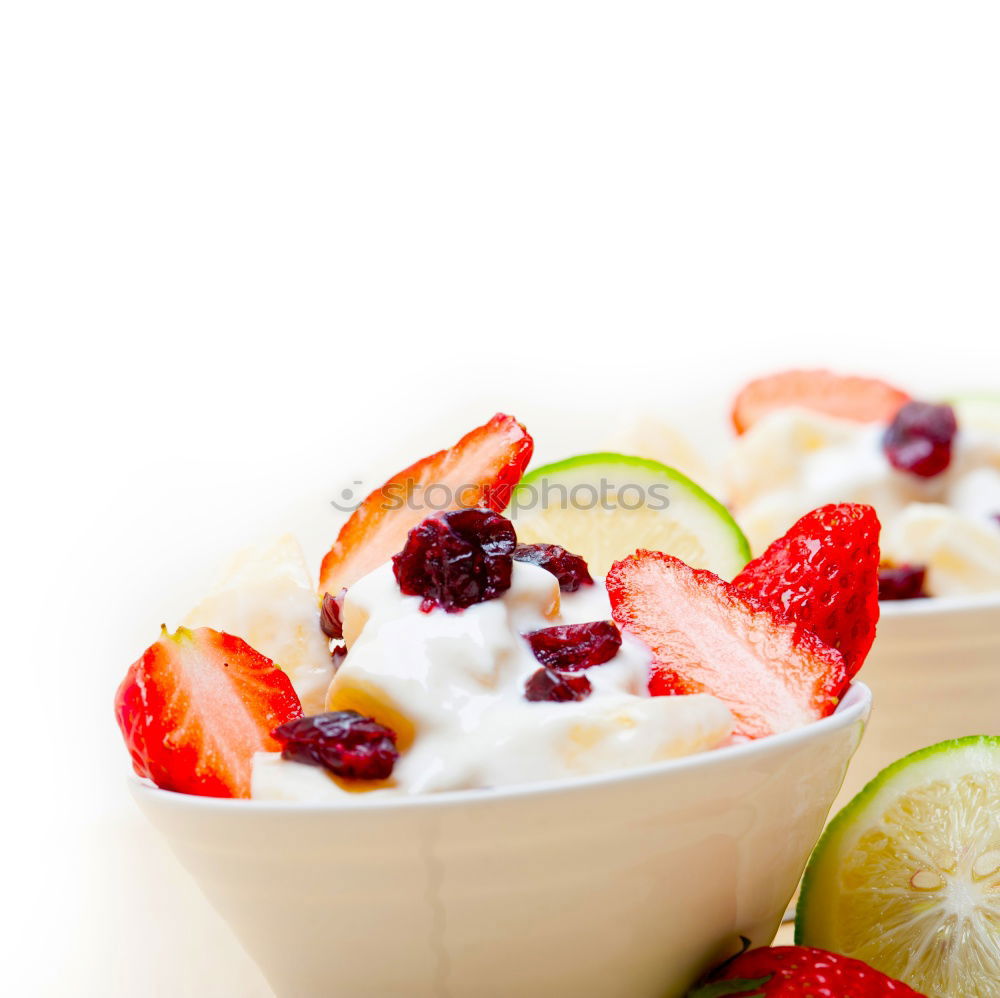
(824, 574)
(798, 972)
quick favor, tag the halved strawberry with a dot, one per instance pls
(195, 708)
(824, 574)
(866, 400)
(772, 673)
(480, 470)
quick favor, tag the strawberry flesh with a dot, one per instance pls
(197, 706)
(797, 971)
(824, 573)
(865, 400)
(481, 470)
(706, 637)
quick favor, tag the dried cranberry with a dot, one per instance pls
(901, 582)
(338, 653)
(572, 647)
(331, 615)
(343, 741)
(551, 684)
(919, 439)
(570, 569)
(457, 559)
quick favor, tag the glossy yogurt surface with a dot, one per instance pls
(452, 686)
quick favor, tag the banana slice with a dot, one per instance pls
(266, 597)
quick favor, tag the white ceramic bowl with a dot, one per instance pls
(623, 884)
(934, 671)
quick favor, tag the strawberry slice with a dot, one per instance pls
(480, 470)
(772, 673)
(824, 574)
(195, 708)
(866, 400)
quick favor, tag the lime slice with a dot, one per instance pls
(907, 876)
(604, 506)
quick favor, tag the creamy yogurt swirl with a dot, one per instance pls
(452, 687)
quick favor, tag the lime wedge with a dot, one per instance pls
(907, 876)
(605, 506)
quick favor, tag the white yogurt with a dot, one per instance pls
(794, 460)
(452, 686)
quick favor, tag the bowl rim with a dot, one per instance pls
(855, 706)
(940, 605)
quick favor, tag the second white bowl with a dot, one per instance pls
(934, 671)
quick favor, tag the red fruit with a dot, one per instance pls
(706, 637)
(480, 470)
(824, 574)
(799, 971)
(920, 437)
(197, 706)
(457, 559)
(346, 743)
(331, 616)
(572, 647)
(902, 582)
(570, 569)
(866, 400)
(556, 686)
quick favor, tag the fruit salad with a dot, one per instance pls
(456, 649)
(932, 470)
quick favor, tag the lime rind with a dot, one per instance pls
(707, 517)
(611, 458)
(983, 751)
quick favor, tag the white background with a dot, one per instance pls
(249, 252)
